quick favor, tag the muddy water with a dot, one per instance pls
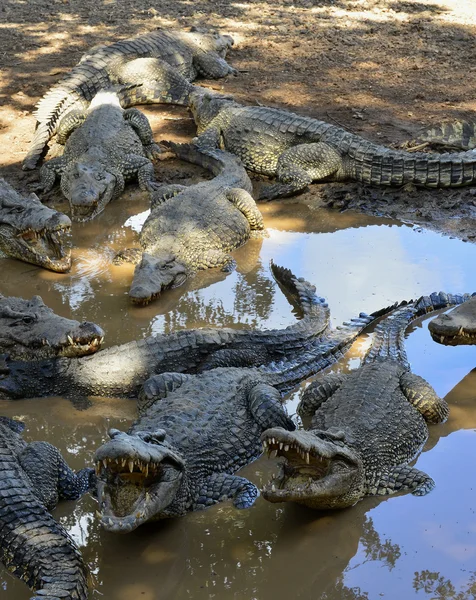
(401, 547)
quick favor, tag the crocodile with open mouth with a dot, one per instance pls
(367, 425)
(33, 546)
(194, 228)
(32, 232)
(30, 331)
(195, 431)
(163, 61)
(121, 370)
(104, 146)
(456, 328)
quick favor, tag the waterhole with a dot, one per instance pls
(397, 547)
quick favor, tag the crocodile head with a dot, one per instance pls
(210, 41)
(319, 469)
(138, 478)
(29, 330)
(205, 106)
(458, 327)
(34, 233)
(154, 275)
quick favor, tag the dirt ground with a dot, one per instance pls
(384, 69)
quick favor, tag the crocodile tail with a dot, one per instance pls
(389, 336)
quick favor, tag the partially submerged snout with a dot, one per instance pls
(138, 478)
(318, 469)
(154, 275)
(458, 327)
(89, 189)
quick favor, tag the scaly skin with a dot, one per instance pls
(104, 147)
(163, 61)
(30, 331)
(33, 546)
(455, 134)
(456, 328)
(195, 431)
(194, 228)
(32, 232)
(367, 425)
(121, 370)
(299, 150)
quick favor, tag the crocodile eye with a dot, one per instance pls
(16, 210)
(28, 319)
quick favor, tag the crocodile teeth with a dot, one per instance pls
(307, 458)
(146, 470)
(442, 338)
(104, 462)
(98, 514)
(273, 488)
(286, 447)
(123, 462)
(273, 454)
(70, 340)
(460, 330)
(265, 444)
(281, 445)
(131, 465)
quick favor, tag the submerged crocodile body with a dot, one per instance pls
(32, 232)
(33, 546)
(105, 146)
(299, 150)
(195, 431)
(30, 331)
(456, 328)
(367, 425)
(121, 370)
(163, 61)
(194, 228)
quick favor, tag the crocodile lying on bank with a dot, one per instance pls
(31, 331)
(105, 145)
(456, 328)
(144, 59)
(33, 546)
(451, 134)
(194, 228)
(121, 370)
(32, 232)
(195, 431)
(367, 425)
(299, 150)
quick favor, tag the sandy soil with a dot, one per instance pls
(384, 69)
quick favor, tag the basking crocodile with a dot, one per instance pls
(32, 232)
(299, 150)
(33, 546)
(451, 134)
(367, 425)
(194, 228)
(29, 330)
(105, 145)
(195, 431)
(456, 328)
(164, 61)
(121, 370)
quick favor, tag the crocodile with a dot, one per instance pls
(121, 370)
(164, 61)
(32, 232)
(104, 146)
(194, 228)
(30, 331)
(456, 328)
(33, 546)
(194, 431)
(459, 135)
(299, 150)
(367, 425)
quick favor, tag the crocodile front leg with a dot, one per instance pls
(209, 138)
(402, 479)
(320, 390)
(266, 406)
(245, 203)
(70, 122)
(141, 125)
(211, 65)
(222, 486)
(50, 171)
(134, 164)
(299, 166)
(158, 387)
(424, 398)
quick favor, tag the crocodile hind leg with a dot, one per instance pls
(320, 390)
(222, 486)
(212, 66)
(70, 122)
(158, 387)
(423, 397)
(245, 203)
(49, 172)
(266, 406)
(402, 478)
(141, 125)
(301, 165)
